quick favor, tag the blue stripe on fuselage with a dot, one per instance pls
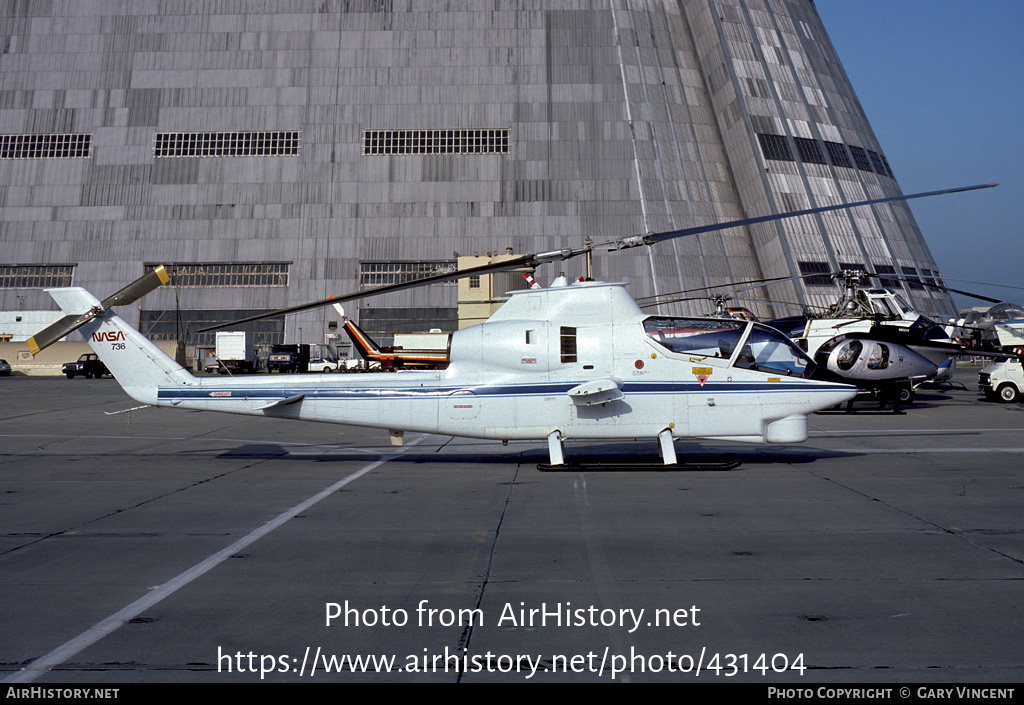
(318, 392)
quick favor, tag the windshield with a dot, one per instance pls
(902, 304)
(697, 336)
(850, 351)
(882, 308)
(764, 349)
(930, 330)
(770, 351)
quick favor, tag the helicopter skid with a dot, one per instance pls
(725, 461)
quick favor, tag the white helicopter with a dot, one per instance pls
(874, 338)
(579, 361)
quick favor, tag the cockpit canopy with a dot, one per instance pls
(745, 344)
(886, 303)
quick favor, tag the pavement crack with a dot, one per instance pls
(467, 631)
(952, 531)
(121, 510)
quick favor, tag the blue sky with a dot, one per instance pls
(941, 83)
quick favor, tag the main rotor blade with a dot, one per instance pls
(533, 260)
(521, 261)
(652, 238)
(777, 280)
(941, 287)
(754, 282)
(784, 304)
(874, 275)
(998, 286)
(652, 304)
(964, 293)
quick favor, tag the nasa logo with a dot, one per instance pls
(107, 336)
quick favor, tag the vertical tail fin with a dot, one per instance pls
(138, 365)
(364, 344)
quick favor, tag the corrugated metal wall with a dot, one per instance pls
(623, 117)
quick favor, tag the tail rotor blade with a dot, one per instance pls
(57, 330)
(68, 324)
(138, 288)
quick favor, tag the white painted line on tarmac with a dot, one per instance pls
(959, 449)
(89, 637)
(252, 441)
(912, 431)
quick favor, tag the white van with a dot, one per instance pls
(1002, 381)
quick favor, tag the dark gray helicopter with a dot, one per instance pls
(872, 337)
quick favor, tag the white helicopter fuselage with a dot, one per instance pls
(574, 362)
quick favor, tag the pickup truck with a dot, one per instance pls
(288, 358)
(89, 364)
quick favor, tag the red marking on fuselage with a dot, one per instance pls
(107, 336)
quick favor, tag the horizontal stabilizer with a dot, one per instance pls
(282, 402)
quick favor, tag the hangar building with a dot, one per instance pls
(280, 151)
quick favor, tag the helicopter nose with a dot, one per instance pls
(793, 428)
(833, 394)
(821, 373)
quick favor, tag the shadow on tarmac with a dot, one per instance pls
(581, 458)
